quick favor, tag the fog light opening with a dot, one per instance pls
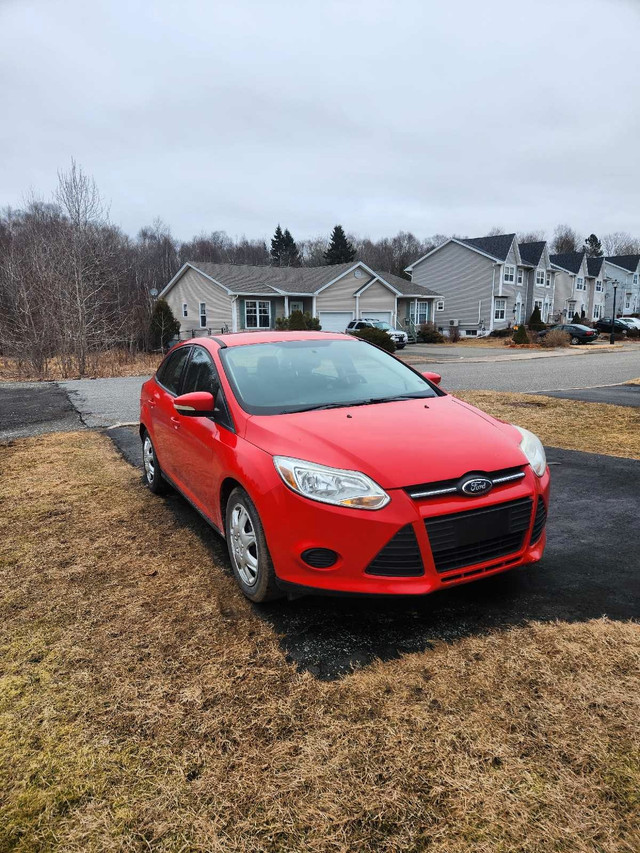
(319, 558)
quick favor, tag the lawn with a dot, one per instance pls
(145, 705)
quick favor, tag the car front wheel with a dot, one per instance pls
(250, 558)
(575, 340)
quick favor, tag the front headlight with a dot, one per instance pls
(532, 448)
(330, 485)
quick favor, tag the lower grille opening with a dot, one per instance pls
(319, 558)
(477, 536)
(539, 521)
(459, 575)
(400, 557)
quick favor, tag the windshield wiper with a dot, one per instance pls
(346, 405)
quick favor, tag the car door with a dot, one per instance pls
(164, 416)
(205, 443)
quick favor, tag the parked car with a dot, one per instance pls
(328, 464)
(632, 322)
(604, 325)
(399, 337)
(579, 334)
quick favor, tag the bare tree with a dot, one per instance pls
(565, 239)
(531, 236)
(620, 243)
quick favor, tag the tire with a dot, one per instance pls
(248, 552)
(575, 341)
(152, 471)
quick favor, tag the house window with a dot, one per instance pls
(520, 275)
(596, 312)
(471, 333)
(635, 278)
(185, 310)
(579, 283)
(203, 315)
(440, 305)
(500, 308)
(540, 278)
(545, 312)
(599, 285)
(257, 314)
(537, 303)
(627, 302)
(509, 274)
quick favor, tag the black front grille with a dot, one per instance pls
(400, 557)
(539, 521)
(467, 538)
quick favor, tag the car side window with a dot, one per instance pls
(201, 374)
(171, 370)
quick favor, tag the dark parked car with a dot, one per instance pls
(604, 325)
(579, 334)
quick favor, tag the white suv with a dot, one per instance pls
(397, 335)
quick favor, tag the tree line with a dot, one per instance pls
(73, 284)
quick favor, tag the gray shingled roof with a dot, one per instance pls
(243, 278)
(531, 253)
(497, 246)
(568, 260)
(628, 262)
(594, 265)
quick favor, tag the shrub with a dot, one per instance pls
(577, 319)
(501, 333)
(298, 322)
(163, 326)
(520, 335)
(535, 321)
(454, 334)
(428, 334)
(378, 337)
(555, 338)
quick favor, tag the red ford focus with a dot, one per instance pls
(330, 465)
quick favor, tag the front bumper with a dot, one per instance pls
(294, 524)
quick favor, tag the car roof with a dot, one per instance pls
(236, 339)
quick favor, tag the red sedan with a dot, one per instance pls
(329, 465)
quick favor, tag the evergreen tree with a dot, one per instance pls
(164, 325)
(593, 246)
(576, 318)
(535, 320)
(284, 251)
(520, 336)
(340, 250)
(290, 256)
(276, 247)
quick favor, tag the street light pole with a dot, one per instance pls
(612, 337)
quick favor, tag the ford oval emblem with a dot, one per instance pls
(477, 486)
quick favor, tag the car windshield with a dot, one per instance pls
(380, 324)
(296, 376)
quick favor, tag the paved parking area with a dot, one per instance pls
(32, 408)
(590, 570)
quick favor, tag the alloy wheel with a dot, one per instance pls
(149, 461)
(244, 545)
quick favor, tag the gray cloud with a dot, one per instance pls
(412, 115)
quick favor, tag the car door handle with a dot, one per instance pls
(175, 422)
(154, 400)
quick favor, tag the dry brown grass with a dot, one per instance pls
(592, 427)
(99, 365)
(144, 705)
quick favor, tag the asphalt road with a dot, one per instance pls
(591, 569)
(32, 408)
(615, 395)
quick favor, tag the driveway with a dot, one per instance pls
(614, 395)
(590, 570)
(32, 408)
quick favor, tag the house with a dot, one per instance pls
(626, 270)
(486, 283)
(572, 286)
(596, 291)
(207, 298)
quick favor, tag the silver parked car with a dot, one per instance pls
(397, 335)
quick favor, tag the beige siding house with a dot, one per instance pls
(573, 286)
(209, 298)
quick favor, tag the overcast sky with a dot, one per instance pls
(447, 116)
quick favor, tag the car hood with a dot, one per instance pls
(397, 444)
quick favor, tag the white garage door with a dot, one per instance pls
(385, 316)
(335, 321)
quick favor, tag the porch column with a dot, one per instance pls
(286, 306)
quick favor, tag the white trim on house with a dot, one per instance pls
(346, 272)
(364, 287)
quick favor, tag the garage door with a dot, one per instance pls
(335, 321)
(385, 316)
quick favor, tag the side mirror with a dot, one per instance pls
(197, 404)
(432, 377)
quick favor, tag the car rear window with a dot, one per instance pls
(289, 376)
